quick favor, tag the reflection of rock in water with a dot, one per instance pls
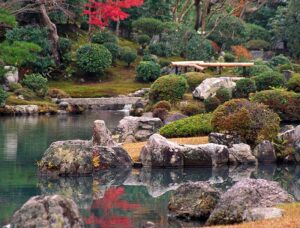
(10, 146)
(237, 173)
(79, 189)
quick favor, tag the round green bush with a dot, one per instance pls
(198, 125)
(147, 71)
(3, 96)
(244, 87)
(285, 103)
(194, 79)
(229, 58)
(104, 37)
(192, 108)
(37, 83)
(161, 49)
(223, 94)
(211, 103)
(148, 26)
(93, 58)
(170, 88)
(162, 104)
(252, 121)
(199, 49)
(143, 39)
(257, 45)
(14, 86)
(128, 55)
(114, 49)
(269, 79)
(152, 58)
(279, 60)
(64, 45)
(294, 84)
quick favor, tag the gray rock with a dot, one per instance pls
(194, 200)
(286, 128)
(210, 86)
(159, 152)
(174, 117)
(244, 195)
(48, 211)
(11, 75)
(241, 154)
(137, 129)
(290, 135)
(102, 135)
(265, 152)
(63, 105)
(262, 213)
(140, 93)
(224, 139)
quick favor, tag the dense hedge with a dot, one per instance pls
(147, 71)
(194, 79)
(252, 121)
(36, 83)
(285, 103)
(198, 125)
(244, 87)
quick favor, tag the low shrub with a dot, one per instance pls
(170, 88)
(28, 94)
(104, 37)
(128, 55)
(199, 49)
(257, 45)
(269, 79)
(64, 45)
(279, 60)
(160, 113)
(57, 93)
(150, 57)
(147, 71)
(37, 83)
(3, 96)
(258, 69)
(192, 108)
(284, 67)
(114, 49)
(211, 103)
(223, 94)
(93, 58)
(241, 52)
(252, 121)
(296, 68)
(194, 79)
(244, 87)
(294, 84)
(164, 63)
(14, 86)
(229, 58)
(198, 125)
(162, 104)
(285, 103)
(143, 40)
(160, 49)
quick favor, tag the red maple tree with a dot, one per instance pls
(101, 13)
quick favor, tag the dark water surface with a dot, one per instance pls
(119, 198)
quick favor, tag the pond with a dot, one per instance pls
(118, 198)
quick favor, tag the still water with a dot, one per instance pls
(126, 198)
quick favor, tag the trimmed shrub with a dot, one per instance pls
(229, 58)
(161, 49)
(104, 37)
(192, 108)
(194, 79)
(285, 103)
(143, 40)
(162, 104)
(148, 26)
(64, 45)
(114, 49)
(211, 103)
(294, 84)
(296, 68)
(93, 58)
(269, 79)
(257, 45)
(198, 125)
(128, 55)
(244, 87)
(279, 60)
(160, 113)
(258, 69)
(147, 71)
(14, 86)
(223, 94)
(37, 83)
(28, 94)
(3, 96)
(170, 88)
(57, 93)
(256, 32)
(199, 49)
(252, 121)
(284, 67)
(241, 52)
(152, 58)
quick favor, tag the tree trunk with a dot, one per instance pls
(118, 28)
(198, 14)
(53, 36)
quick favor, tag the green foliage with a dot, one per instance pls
(170, 88)
(128, 55)
(14, 86)
(3, 96)
(161, 49)
(296, 68)
(285, 67)
(162, 104)
(28, 94)
(160, 113)
(194, 79)
(258, 69)
(152, 58)
(223, 94)
(93, 58)
(229, 58)
(37, 83)
(285, 103)
(244, 87)
(211, 103)
(114, 49)
(7, 18)
(143, 39)
(148, 26)
(269, 79)
(57, 93)
(256, 32)
(192, 108)
(257, 45)
(199, 49)
(104, 37)
(64, 48)
(147, 71)
(252, 121)
(292, 27)
(294, 83)
(198, 125)
(279, 60)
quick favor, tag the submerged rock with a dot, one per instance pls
(244, 195)
(262, 213)
(194, 200)
(48, 211)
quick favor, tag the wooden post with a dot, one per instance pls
(244, 71)
(176, 69)
(185, 69)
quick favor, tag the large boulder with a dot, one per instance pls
(210, 86)
(101, 135)
(241, 154)
(160, 152)
(174, 117)
(244, 195)
(224, 139)
(48, 211)
(194, 200)
(137, 129)
(265, 152)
